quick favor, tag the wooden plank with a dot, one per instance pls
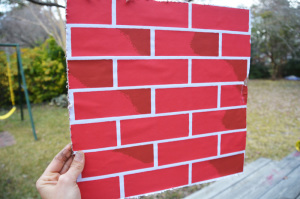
(288, 188)
(258, 184)
(222, 185)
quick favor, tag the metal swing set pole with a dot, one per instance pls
(22, 76)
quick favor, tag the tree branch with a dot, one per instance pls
(46, 3)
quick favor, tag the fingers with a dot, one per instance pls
(67, 165)
(76, 166)
(59, 160)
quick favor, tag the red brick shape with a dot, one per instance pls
(184, 43)
(185, 99)
(101, 104)
(152, 13)
(233, 142)
(211, 70)
(106, 188)
(117, 42)
(91, 12)
(118, 160)
(185, 150)
(156, 180)
(154, 128)
(94, 135)
(236, 45)
(217, 168)
(235, 95)
(220, 18)
(152, 72)
(90, 73)
(214, 121)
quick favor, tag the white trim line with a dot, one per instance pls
(156, 27)
(113, 13)
(190, 71)
(71, 106)
(115, 73)
(159, 167)
(118, 133)
(190, 124)
(68, 43)
(220, 44)
(158, 86)
(107, 119)
(153, 57)
(190, 173)
(153, 101)
(163, 141)
(219, 143)
(219, 96)
(155, 154)
(248, 66)
(122, 187)
(152, 42)
(190, 15)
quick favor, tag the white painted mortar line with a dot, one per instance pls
(96, 120)
(154, 57)
(163, 141)
(156, 27)
(159, 167)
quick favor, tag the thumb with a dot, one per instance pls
(76, 166)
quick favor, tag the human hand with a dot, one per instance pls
(59, 179)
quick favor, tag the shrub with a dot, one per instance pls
(45, 72)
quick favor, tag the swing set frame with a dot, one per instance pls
(22, 84)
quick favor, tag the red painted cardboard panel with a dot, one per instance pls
(220, 18)
(89, 12)
(217, 168)
(235, 95)
(184, 99)
(185, 150)
(94, 135)
(90, 105)
(156, 93)
(154, 128)
(152, 13)
(106, 188)
(233, 142)
(185, 43)
(152, 72)
(117, 42)
(209, 70)
(214, 121)
(90, 73)
(151, 181)
(236, 45)
(118, 160)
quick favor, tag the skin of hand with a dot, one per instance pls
(59, 179)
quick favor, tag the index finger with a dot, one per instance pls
(59, 160)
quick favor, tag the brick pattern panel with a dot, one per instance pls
(152, 72)
(220, 18)
(157, 94)
(217, 168)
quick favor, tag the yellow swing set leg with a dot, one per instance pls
(12, 96)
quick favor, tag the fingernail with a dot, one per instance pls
(79, 156)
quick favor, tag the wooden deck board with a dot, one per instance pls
(288, 188)
(263, 179)
(220, 186)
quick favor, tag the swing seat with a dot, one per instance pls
(7, 115)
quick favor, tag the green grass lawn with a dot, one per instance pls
(273, 128)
